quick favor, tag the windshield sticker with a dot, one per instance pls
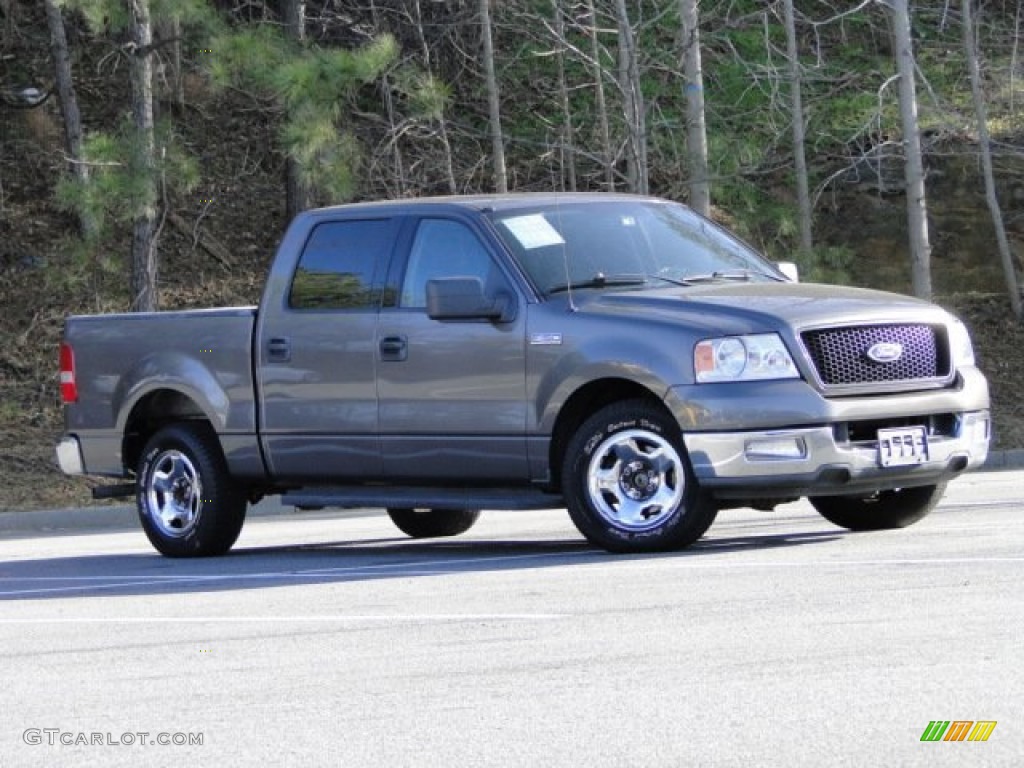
(628, 221)
(533, 231)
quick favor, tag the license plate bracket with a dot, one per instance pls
(903, 446)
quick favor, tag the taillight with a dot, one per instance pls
(68, 387)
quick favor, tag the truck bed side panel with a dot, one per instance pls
(204, 355)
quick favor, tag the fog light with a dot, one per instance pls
(768, 449)
(975, 428)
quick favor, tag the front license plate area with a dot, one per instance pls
(902, 447)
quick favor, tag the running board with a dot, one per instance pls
(113, 491)
(422, 498)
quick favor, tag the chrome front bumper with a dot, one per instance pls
(69, 456)
(809, 461)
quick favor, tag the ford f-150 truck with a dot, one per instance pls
(620, 356)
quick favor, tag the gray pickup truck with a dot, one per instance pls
(616, 355)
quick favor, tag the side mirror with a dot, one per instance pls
(789, 270)
(463, 298)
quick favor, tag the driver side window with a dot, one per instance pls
(442, 248)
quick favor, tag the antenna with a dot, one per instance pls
(565, 255)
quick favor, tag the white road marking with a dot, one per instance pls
(413, 568)
(692, 561)
(382, 618)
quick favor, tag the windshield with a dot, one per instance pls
(594, 244)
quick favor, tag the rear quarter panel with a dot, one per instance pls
(205, 355)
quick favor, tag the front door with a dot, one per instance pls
(451, 393)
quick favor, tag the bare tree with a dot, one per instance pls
(917, 211)
(803, 195)
(167, 34)
(985, 146)
(144, 228)
(68, 104)
(632, 102)
(599, 96)
(696, 130)
(294, 16)
(442, 123)
(389, 106)
(493, 101)
(568, 151)
(298, 196)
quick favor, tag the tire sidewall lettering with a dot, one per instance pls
(591, 445)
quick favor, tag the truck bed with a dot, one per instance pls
(123, 362)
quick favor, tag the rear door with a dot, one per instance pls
(452, 393)
(317, 356)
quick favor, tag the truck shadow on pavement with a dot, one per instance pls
(118, 575)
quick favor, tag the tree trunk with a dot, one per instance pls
(389, 106)
(493, 101)
(568, 149)
(985, 145)
(294, 12)
(633, 102)
(442, 123)
(144, 228)
(169, 30)
(297, 193)
(68, 104)
(917, 210)
(602, 106)
(803, 195)
(696, 130)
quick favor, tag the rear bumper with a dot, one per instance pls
(69, 456)
(756, 464)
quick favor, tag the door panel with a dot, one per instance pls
(317, 357)
(452, 400)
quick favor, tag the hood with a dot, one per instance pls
(731, 308)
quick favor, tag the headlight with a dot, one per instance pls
(960, 343)
(743, 358)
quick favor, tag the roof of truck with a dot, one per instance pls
(497, 202)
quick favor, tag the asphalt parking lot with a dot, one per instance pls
(776, 640)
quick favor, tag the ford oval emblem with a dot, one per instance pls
(885, 352)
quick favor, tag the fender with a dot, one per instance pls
(176, 372)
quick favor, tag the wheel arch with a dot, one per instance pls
(581, 404)
(151, 412)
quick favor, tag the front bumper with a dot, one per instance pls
(753, 464)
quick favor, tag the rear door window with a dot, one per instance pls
(340, 264)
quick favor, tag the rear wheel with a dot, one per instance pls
(885, 509)
(189, 505)
(628, 484)
(432, 523)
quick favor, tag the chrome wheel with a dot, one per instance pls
(189, 504)
(174, 494)
(627, 481)
(635, 480)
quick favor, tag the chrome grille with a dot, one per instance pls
(840, 355)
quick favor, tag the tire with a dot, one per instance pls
(885, 509)
(188, 504)
(433, 523)
(628, 483)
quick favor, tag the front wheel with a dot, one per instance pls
(885, 509)
(188, 504)
(628, 484)
(432, 523)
